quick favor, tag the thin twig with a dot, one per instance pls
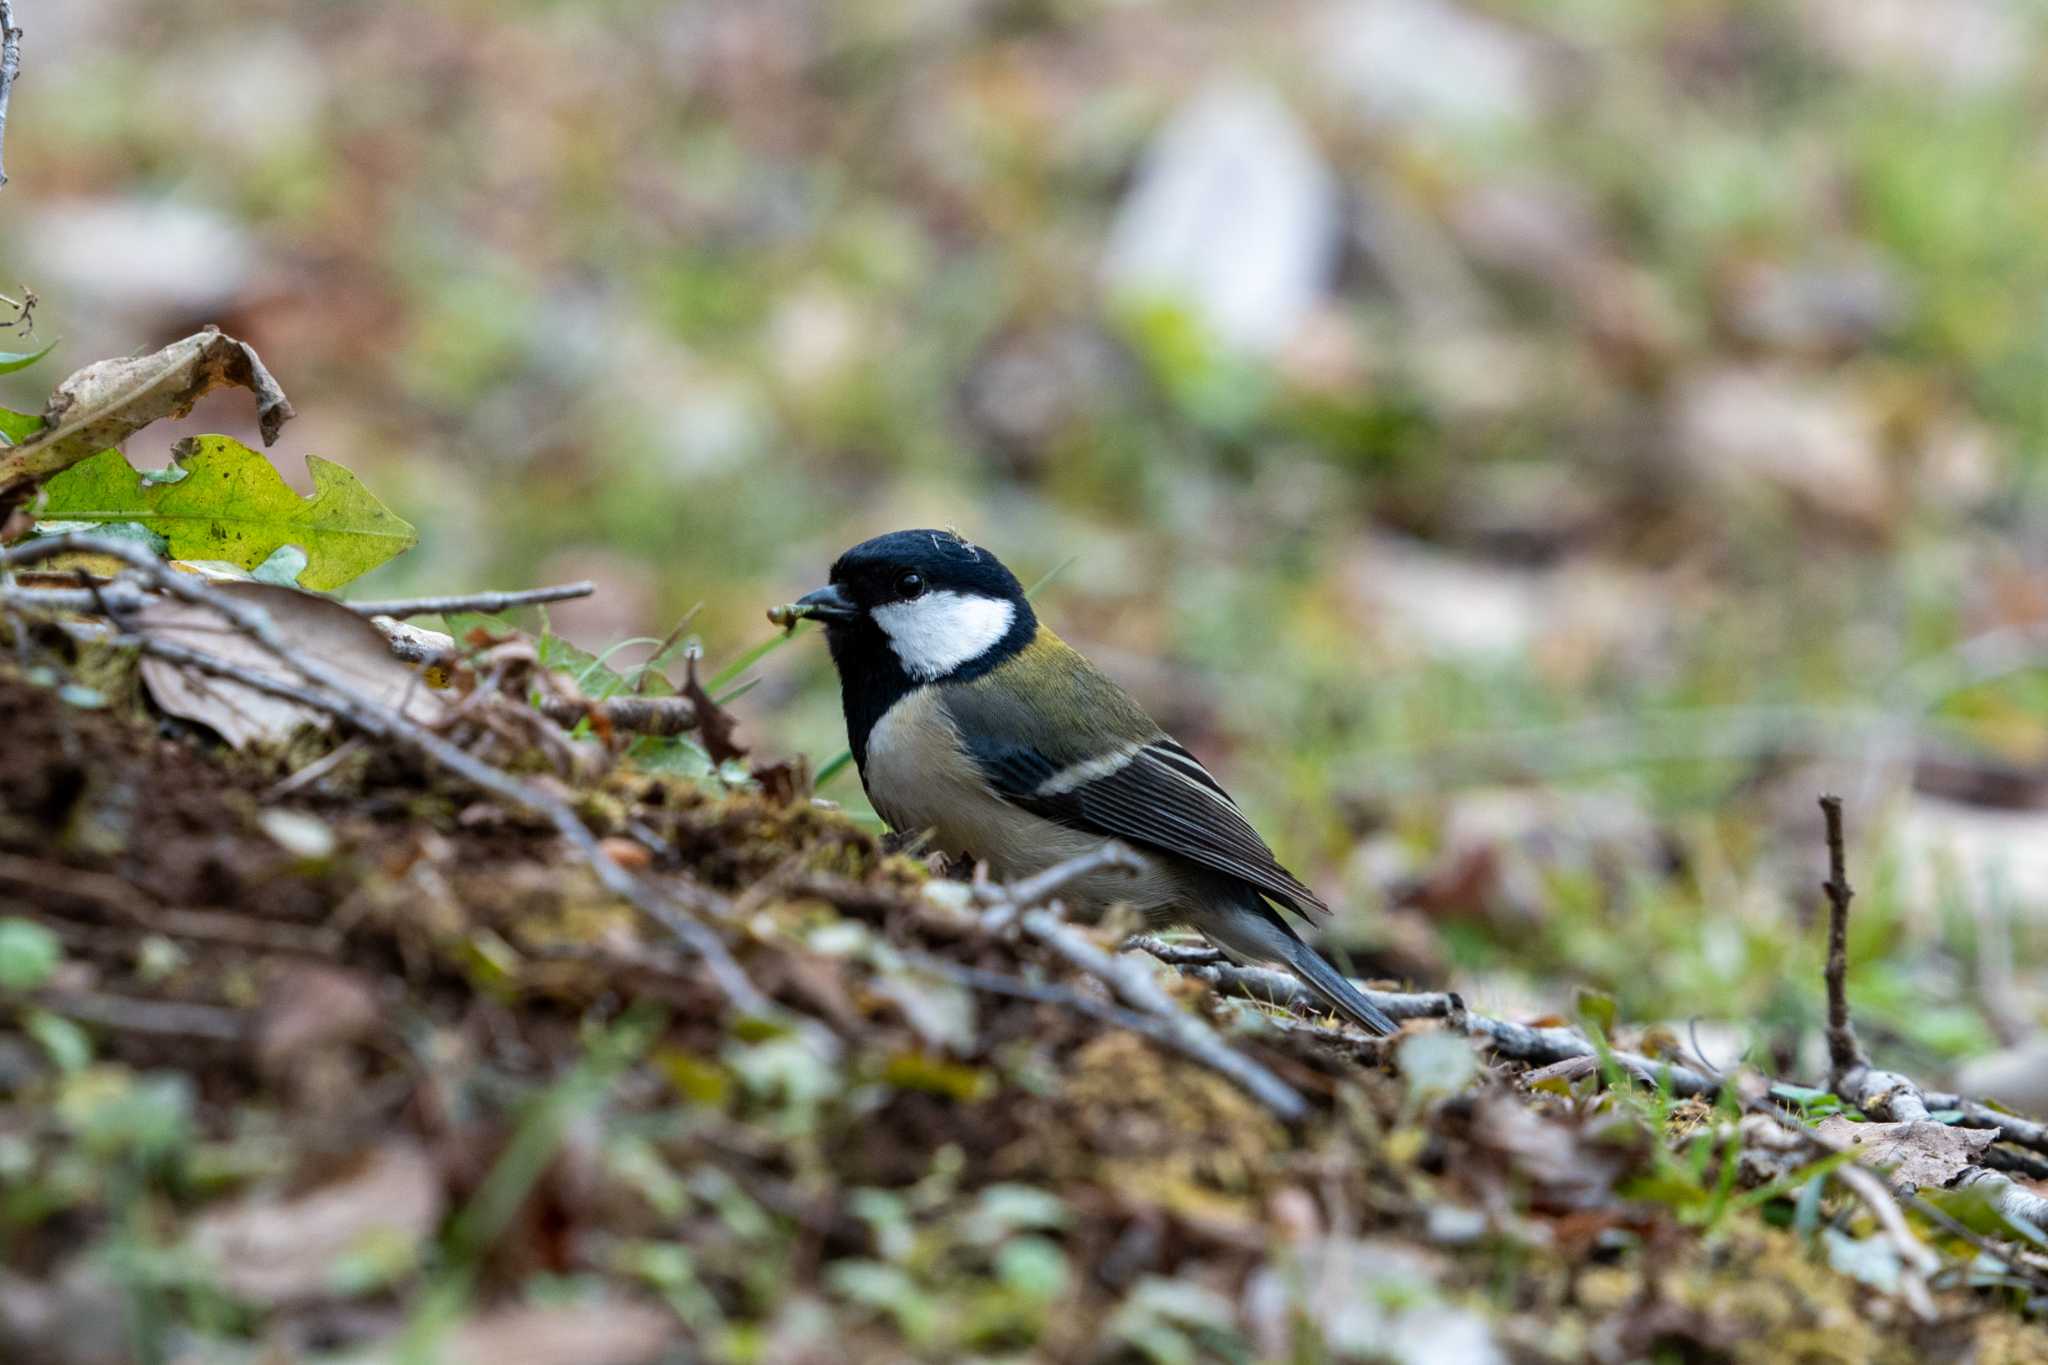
(329, 691)
(1845, 1054)
(1799, 1134)
(1506, 1040)
(1887, 1095)
(485, 602)
(1918, 1261)
(1132, 983)
(2022, 1132)
(636, 715)
(997, 983)
(10, 67)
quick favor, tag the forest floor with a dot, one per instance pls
(373, 1068)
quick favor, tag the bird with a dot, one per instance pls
(972, 721)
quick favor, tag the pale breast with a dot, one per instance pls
(920, 778)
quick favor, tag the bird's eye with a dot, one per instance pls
(910, 583)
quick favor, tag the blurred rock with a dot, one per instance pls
(1443, 605)
(1737, 426)
(1428, 62)
(149, 261)
(2016, 1077)
(1455, 607)
(1990, 857)
(1234, 215)
(1961, 46)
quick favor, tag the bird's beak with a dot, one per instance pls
(828, 604)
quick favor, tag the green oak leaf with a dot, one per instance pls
(10, 361)
(231, 504)
(18, 426)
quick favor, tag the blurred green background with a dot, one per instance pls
(1530, 449)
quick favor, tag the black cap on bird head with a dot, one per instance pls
(912, 608)
(903, 566)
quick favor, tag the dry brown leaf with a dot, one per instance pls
(1921, 1153)
(272, 1249)
(714, 724)
(320, 628)
(562, 1334)
(107, 402)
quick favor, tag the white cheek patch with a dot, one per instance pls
(942, 630)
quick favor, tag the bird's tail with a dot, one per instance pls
(1338, 992)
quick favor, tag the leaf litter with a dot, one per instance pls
(422, 1009)
(542, 1037)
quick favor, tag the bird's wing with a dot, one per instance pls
(1149, 792)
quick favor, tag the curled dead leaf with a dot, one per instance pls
(714, 723)
(319, 627)
(107, 402)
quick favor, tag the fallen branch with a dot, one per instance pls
(636, 715)
(400, 608)
(1509, 1041)
(1167, 1022)
(327, 690)
(998, 983)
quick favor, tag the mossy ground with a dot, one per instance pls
(972, 1176)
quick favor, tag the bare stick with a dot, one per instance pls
(1887, 1094)
(329, 691)
(157, 1018)
(487, 602)
(639, 715)
(1506, 1040)
(1136, 987)
(998, 983)
(1795, 1134)
(1845, 1054)
(1913, 1254)
(2010, 1198)
(2022, 1132)
(10, 67)
(1168, 1024)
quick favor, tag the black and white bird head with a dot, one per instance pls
(915, 607)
